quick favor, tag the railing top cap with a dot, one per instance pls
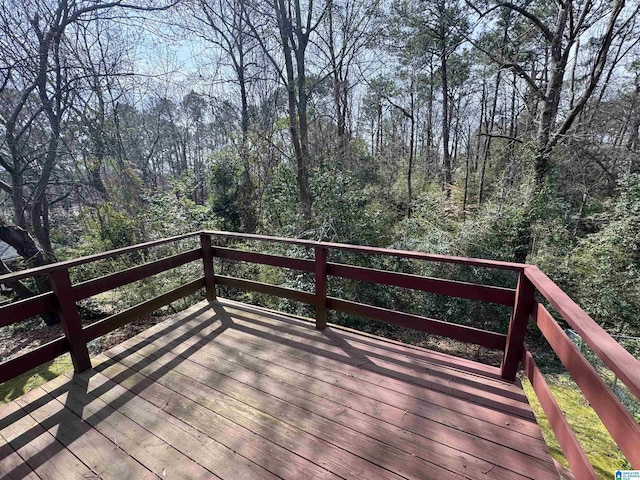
(475, 262)
(32, 272)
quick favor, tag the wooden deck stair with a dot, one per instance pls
(227, 390)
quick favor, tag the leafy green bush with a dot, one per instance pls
(606, 264)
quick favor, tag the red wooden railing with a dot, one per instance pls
(531, 283)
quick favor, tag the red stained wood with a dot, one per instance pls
(368, 340)
(70, 319)
(207, 263)
(517, 328)
(451, 288)
(250, 398)
(38, 448)
(396, 386)
(330, 362)
(265, 259)
(108, 324)
(616, 418)
(124, 277)
(571, 448)
(436, 442)
(355, 366)
(188, 439)
(619, 360)
(321, 287)
(424, 324)
(474, 262)
(275, 445)
(232, 399)
(151, 451)
(283, 292)
(17, 366)
(96, 451)
(30, 307)
(91, 258)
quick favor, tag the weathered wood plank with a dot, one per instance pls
(383, 351)
(151, 451)
(458, 431)
(265, 440)
(285, 321)
(271, 414)
(435, 442)
(336, 367)
(91, 447)
(190, 440)
(242, 393)
(393, 379)
(39, 449)
(12, 466)
(243, 346)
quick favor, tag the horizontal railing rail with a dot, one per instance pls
(531, 283)
(323, 269)
(623, 428)
(64, 296)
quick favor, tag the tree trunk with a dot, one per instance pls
(26, 247)
(297, 107)
(551, 101)
(248, 189)
(446, 158)
(412, 134)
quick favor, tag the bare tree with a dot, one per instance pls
(38, 79)
(572, 20)
(295, 22)
(226, 28)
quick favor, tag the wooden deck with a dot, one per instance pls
(226, 390)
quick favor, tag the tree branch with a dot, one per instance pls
(525, 76)
(498, 135)
(6, 187)
(535, 20)
(594, 76)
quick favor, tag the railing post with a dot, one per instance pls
(70, 318)
(517, 328)
(207, 260)
(321, 287)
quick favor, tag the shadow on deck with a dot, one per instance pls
(233, 391)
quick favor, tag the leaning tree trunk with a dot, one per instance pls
(26, 247)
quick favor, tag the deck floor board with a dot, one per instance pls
(227, 390)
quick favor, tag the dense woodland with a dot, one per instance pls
(502, 130)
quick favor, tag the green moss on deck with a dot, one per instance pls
(601, 449)
(18, 386)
